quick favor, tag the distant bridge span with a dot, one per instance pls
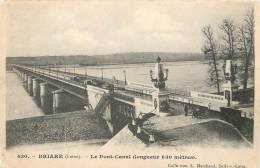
(73, 87)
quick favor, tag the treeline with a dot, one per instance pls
(230, 41)
(147, 57)
(119, 58)
(51, 60)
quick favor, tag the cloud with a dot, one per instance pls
(98, 27)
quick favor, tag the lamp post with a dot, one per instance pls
(102, 73)
(49, 68)
(159, 75)
(86, 72)
(57, 71)
(74, 70)
(125, 76)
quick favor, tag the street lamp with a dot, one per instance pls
(49, 68)
(56, 66)
(86, 72)
(102, 73)
(159, 75)
(125, 76)
(74, 70)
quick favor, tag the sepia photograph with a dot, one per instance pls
(129, 76)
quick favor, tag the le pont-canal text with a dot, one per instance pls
(141, 157)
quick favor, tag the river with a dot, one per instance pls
(187, 75)
(18, 102)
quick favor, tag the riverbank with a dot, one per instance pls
(108, 59)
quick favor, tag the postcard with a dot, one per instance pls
(150, 83)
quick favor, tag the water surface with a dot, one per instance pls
(19, 104)
(187, 75)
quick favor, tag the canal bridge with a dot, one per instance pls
(119, 103)
(57, 92)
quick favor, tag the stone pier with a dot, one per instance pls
(20, 75)
(46, 98)
(65, 102)
(43, 93)
(25, 80)
(36, 90)
(57, 101)
(29, 85)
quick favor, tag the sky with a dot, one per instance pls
(47, 28)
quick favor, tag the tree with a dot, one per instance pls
(229, 42)
(210, 51)
(246, 39)
(228, 46)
